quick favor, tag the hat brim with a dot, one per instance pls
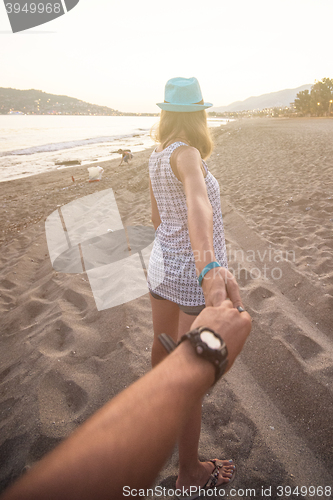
(187, 108)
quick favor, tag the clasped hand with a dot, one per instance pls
(218, 285)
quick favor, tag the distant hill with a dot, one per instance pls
(273, 100)
(36, 102)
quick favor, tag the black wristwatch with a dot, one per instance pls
(207, 344)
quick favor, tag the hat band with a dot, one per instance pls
(189, 103)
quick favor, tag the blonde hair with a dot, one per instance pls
(192, 125)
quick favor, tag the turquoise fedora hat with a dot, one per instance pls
(183, 94)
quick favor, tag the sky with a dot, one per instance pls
(120, 53)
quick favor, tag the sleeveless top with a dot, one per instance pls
(171, 270)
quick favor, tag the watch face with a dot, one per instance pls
(210, 339)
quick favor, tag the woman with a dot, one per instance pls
(189, 243)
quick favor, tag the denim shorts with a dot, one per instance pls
(192, 310)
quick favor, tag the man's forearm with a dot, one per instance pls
(127, 441)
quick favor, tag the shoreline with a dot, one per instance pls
(55, 188)
(61, 359)
(90, 150)
(45, 141)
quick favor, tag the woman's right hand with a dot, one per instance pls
(220, 284)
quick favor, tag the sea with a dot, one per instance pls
(32, 144)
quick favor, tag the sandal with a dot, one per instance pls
(213, 478)
(212, 481)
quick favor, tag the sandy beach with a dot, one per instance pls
(61, 359)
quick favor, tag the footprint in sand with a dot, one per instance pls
(258, 298)
(304, 345)
(7, 302)
(35, 308)
(243, 278)
(58, 340)
(302, 242)
(7, 284)
(61, 401)
(30, 313)
(6, 299)
(77, 300)
(4, 373)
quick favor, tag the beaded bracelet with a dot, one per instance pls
(205, 270)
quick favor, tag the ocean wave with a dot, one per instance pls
(46, 148)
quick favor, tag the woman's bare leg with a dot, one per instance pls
(165, 320)
(192, 472)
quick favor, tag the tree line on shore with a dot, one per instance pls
(318, 101)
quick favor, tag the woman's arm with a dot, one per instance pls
(218, 283)
(200, 212)
(155, 216)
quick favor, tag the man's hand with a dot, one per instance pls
(233, 326)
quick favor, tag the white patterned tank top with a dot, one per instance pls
(171, 272)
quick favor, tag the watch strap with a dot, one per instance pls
(218, 358)
(167, 342)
